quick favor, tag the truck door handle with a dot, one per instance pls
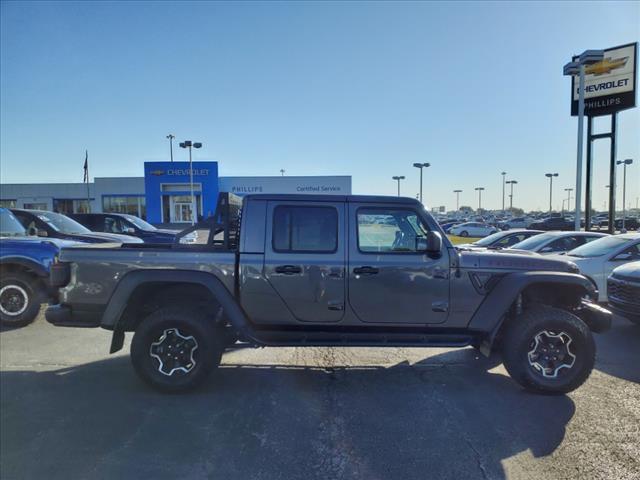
(365, 270)
(288, 269)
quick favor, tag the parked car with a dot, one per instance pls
(305, 270)
(124, 224)
(597, 260)
(556, 242)
(472, 229)
(42, 223)
(623, 291)
(446, 227)
(24, 270)
(504, 239)
(517, 222)
(630, 223)
(552, 223)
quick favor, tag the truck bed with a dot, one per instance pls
(96, 269)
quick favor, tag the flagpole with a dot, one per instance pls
(86, 162)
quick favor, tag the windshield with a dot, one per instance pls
(10, 226)
(141, 224)
(487, 241)
(532, 243)
(599, 247)
(62, 223)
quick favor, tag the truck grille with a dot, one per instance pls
(623, 291)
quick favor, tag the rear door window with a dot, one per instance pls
(305, 229)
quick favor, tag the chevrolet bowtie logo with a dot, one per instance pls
(605, 66)
(157, 173)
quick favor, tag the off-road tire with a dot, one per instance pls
(25, 288)
(464, 233)
(519, 339)
(189, 323)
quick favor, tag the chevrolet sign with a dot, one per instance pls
(172, 172)
(610, 84)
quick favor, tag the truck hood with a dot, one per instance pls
(506, 260)
(29, 240)
(107, 237)
(629, 271)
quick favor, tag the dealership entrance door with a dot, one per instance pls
(178, 209)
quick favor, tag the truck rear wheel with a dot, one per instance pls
(174, 349)
(20, 299)
(548, 350)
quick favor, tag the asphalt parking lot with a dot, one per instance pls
(70, 410)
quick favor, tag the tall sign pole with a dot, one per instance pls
(576, 220)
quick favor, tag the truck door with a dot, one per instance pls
(305, 258)
(391, 278)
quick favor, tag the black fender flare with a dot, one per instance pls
(126, 286)
(489, 317)
(26, 263)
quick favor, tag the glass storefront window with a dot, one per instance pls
(132, 205)
(68, 205)
(35, 206)
(8, 203)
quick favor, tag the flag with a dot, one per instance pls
(86, 167)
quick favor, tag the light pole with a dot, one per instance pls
(189, 144)
(550, 176)
(479, 190)
(512, 183)
(421, 166)
(457, 192)
(577, 68)
(171, 137)
(624, 163)
(568, 190)
(401, 177)
(503, 184)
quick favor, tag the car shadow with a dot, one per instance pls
(618, 350)
(448, 416)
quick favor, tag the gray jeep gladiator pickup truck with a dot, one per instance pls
(307, 270)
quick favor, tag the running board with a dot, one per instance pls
(352, 339)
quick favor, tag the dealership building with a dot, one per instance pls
(163, 195)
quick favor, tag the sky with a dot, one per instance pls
(328, 88)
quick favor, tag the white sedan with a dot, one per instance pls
(472, 229)
(556, 242)
(596, 260)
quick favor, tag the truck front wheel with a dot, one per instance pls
(20, 299)
(548, 350)
(174, 349)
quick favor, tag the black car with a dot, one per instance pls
(623, 291)
(552, 223)
(55, 225)
(124, 224)
(630, 223)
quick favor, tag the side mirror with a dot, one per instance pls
(42, 233)
(32, 231)
(433, 243)
(622, 257)
(129, 230)
(546, 250)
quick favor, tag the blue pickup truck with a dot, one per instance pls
(24, 270)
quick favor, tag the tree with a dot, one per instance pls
(516, 212)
